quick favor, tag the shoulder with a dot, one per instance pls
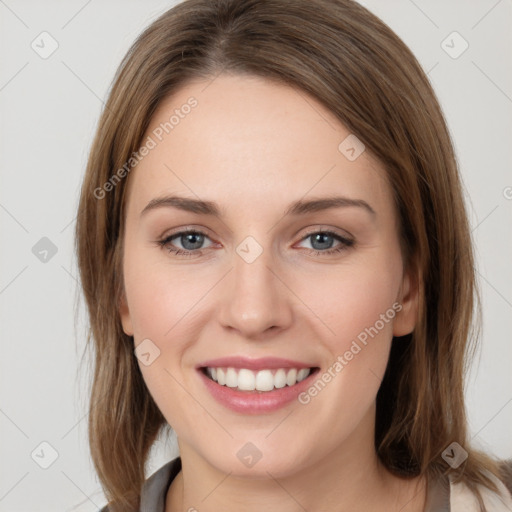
(155, 487)
(463, 500)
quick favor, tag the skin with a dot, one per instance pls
(254, 146)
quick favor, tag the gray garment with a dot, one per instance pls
(155, 489)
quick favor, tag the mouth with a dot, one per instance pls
(255, 386)
(265, 380)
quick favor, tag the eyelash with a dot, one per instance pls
(345, 243)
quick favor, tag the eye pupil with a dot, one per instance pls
(196, 240)
(321, 236)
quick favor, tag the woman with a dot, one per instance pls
(239, 137)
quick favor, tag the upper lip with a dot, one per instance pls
(261, 363)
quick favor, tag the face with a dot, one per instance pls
(257, 286)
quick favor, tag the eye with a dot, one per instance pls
(190, 239)
(322, 242)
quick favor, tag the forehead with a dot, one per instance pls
(245, 140)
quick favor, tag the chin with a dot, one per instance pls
(256, 460)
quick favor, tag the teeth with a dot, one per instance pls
(262, 380)
(280, 378)
(231, 378)
(291, 377)
(302, 374)
(246, 380)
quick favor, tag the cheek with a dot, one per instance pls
(159, 296)
(162, 304)
(359, 307)
(352, 300)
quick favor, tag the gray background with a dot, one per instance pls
(49, 109)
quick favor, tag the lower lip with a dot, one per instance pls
(256, 402)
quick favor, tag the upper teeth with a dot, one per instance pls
(262, 380)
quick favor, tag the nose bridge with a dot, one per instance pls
(255, 299)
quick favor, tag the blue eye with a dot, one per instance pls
(192, 241)
(319, 238)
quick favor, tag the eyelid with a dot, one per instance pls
(166, 238)
(183, 230)
(189, 227)
(345, 235)
(313, 230)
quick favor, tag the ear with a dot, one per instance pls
(124, 313)
(408, 298)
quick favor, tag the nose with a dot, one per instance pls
(255, 299)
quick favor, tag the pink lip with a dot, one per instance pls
(255, 402)
(262, 363)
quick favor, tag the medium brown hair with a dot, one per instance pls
(351, 62)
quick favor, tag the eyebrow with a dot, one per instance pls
(299, 207)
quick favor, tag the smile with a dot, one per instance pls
(255, 386)
(264, 380)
